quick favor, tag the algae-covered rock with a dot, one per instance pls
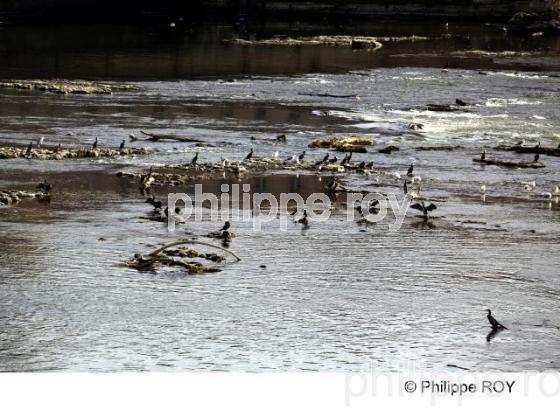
(65, 86)
(12, 197)
(58, 153)
(353, 143)
(356, 42)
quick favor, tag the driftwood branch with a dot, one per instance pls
(157, 137)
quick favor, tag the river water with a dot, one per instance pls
(337, 296)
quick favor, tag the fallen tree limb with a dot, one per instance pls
(158, 137)
(192, 241)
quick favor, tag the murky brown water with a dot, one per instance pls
(338, 296)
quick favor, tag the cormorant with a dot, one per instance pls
(420, 206)
(301, 156)
(333, 159)
(94, 146)
(362, 165)
(405, 187)
(410, 170)
(304, 221)
(57, 149)
(121, 147)
(195, 158)
(460, 102)
(166, 210)
(374, 207)
(226, 226)
(483, 155)
(537, 156)
(346, 159)
(493, 322)
(332, 184)
(249, 155)
(45, 186)
(325, 158)
(29, 149)
(155, 204)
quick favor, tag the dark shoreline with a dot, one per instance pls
(253, 11)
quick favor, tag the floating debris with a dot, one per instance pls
(66, 86)
(59, 153)
(182, 257)
(352, 143)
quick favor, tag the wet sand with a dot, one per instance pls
(337, 296)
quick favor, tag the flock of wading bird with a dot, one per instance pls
(411, 188)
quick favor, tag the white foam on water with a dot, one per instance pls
(502, 102)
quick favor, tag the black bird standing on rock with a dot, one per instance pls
(226, 226)
(483, 155)
(460, 102)
(249, 155)
(301, 156)
(195, 158)
(537, 157)
(121, 147)
(405, 187)
(94, 146)
(29, 149)
(58, 148)
(346, 159)
(493, 322)
(410, 170)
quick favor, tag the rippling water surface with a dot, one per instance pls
(338, 296)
